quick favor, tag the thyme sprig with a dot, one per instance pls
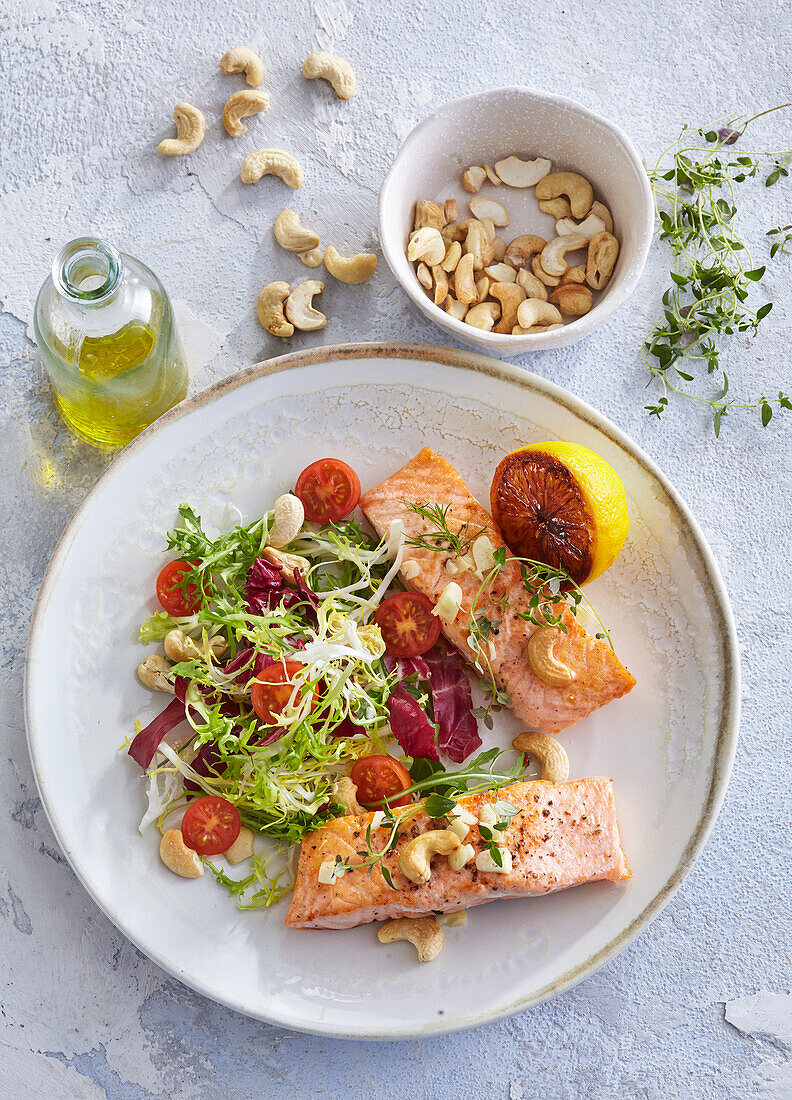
(694, 183)
(442, 537)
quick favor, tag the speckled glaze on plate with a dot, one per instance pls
(668, 745)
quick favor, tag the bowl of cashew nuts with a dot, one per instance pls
(516, 220)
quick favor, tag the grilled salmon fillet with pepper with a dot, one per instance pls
(599, 675)
(565, 834)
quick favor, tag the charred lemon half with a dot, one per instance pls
(561, 504)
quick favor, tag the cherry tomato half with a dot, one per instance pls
(170, 595)
(272, 689)
(210, 825)
(378, 777)
(328, 489)
(408, 626)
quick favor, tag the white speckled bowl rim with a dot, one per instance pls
(695, 543)
(623, 284)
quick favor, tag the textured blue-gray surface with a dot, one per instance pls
(88, 91)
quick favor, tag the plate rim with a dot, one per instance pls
(727, 736)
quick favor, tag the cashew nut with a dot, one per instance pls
(549, 754)
(572, 299)
(492, 175)
(473, 178)
(552, 257)
(416, 856)
(426, 244)
(518, 330)
(424, 276)
(479, 245)
(533, 287)
(241, 105)
(455, 309)
(501, 273)
(498, 248)
(589, 227)
(576, 187)
(429, 213)
(574, 275)
(541, 274)
(352, 269)
(452, 257)
(450, 210)
(533, 311)
(522, 173)
(482, 287)
(344, 792)
(242, 848)
(510, 297)
(312, 258)
(489, 225)
(602, 255)
(179, 646)
(483, 316)
(557, 208)
(287, 562)
(482, 207)
(321, 65)
(451, 233)
(190, 130)
(440, 284)
(177, 857)
(299, 307)
(600, 210)
(519, 251)
(545, 665)
(153, 673)
(424, 933)
(291, 235)
(243, 60)
(464, 283)
(269, 309)
(272, 162)
(288, 516)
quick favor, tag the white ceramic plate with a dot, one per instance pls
(668, 745)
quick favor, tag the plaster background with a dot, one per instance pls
(88, 91)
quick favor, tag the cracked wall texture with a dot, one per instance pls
(88, 91)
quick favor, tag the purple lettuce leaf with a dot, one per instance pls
(407, 666)
(411, 727)
(266, 588)
(146, 743)
(452, 699)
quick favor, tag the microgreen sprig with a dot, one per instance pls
(694, 182)
(442, 537)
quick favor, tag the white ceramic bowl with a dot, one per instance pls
(518, 121)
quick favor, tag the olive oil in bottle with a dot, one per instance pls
(106, 334)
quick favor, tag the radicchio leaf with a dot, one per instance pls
(207, 761)
(407, 666)
(145, 744)
(266, 588)
(410, 725)
(452, 699)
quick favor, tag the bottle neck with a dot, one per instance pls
(87, 271)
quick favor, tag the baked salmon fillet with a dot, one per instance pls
(600, 675)
(565, 834)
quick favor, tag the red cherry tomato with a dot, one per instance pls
(378, 777)
(408, 626)
(328, 489)
(210, 825)
(170, 595)
(272, 689)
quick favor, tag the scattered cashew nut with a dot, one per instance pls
(179, 646)
(424, 276)
(311, 258)
(600, 210)
(287, 562)
(479, 245)
(549, 754)
(533, 287)
(177, 857)
(153, 673)
(291, 235)
(482, 207)
(519, 251)
(426, 244)
(473, 178)
(522, 173)
(269, 309)
(352, 269)
(288, 517)
(492, 175)
(452, 257)
(602, 255)
(450, 210)
(464, 283)
(243, 60)
(557, 208)
(533, 311)
(429, 213)
(575, 274)
(241, 105)
(572, 299)
(589, 227)
(272, 162)
(242, 848)
(545, 664)
(440, 279)
(501, 273)
(552, 256)
(424, 933)
(541, 274)
(322, 65)
(344, 792)
(510, 297)
(416, 856)
(190, 130)
(483, 316)
(455, 308)
(576, 187)
(299, 307)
